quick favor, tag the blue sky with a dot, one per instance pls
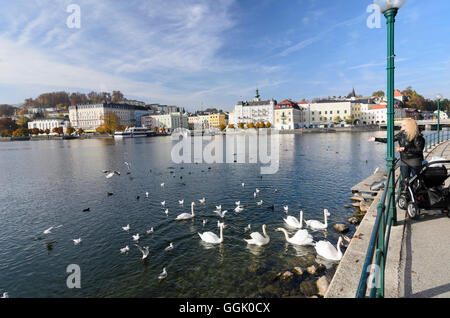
(211, 52)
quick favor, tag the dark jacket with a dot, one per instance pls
(413, 153)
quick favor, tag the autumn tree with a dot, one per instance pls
(6, 110)
(117, 96)
(222, 126)
(337, 120)
(111, 123)
(268, 125)
(379, 93)
(7, 126)
(58, 130)
(80, 131)
(23, 122)
(70, 130)
(21, 132)
(231, 126)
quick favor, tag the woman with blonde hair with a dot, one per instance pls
(410, 145)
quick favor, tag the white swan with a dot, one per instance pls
(210, 237)
(258, 239)
(317, 225)
(187, 216)
(328, 251)
(302, 237)
(293, 222)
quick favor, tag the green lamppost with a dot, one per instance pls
(390, 8)
(438, 98)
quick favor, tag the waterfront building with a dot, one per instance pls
(49, 123)
(90, 117)
(254, 112)
(288, 115)
(378, 114)
(168, 121)
(217, 120)
(198, 122)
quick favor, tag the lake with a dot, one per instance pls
(50, 183)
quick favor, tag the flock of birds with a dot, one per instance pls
(302, 237)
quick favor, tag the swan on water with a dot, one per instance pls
(317, 225)
(186, 216)
(124, 250)
(293, 222)
(302, 237)
(328, 251)
(145, 251)
(49, 230)
(210, 237)
(258, 239)
(163, 274)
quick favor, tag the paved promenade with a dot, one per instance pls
(425, 255)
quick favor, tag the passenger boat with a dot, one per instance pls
(133, 132)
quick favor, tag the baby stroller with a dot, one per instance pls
(426, 190)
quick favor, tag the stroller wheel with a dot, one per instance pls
(402, 202)
(413, 210)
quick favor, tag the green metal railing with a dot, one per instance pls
(373, 276)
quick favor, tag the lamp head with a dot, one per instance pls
(438, 97)
(386, 5)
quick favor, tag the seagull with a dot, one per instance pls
(243, 184)
(259, 203)
(146, 194)
(238, 203)
(254, 194)
(77, 241)
(163, 203)
(150, 231)
(136, 237)
(257, 190)
(219, 207)
(124, 250)
(162, 185)
(221, 214)
(163, 274)
(276, 191)
(166, 211)
(145, 251)
(169, 248)
(376, 170)
(248, 228)
(181, 202)
(204, 222)
(109, 175)
(49, 230)
(239, 209)
(202, 200)
(5, 295)
(126, 228)
(286, 208)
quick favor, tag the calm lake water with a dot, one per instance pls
(49, 183)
